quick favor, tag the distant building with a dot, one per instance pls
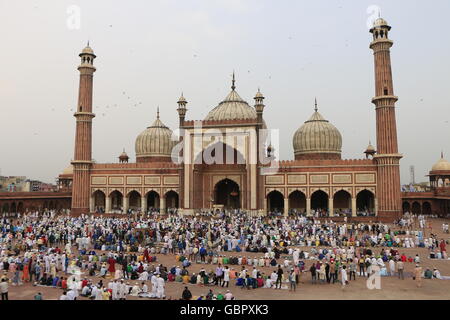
(435, 196)
(12, 183)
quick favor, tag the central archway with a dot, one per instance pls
(227, 193)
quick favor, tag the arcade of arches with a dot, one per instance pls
(418, 207)
(133, 202)
(340, 204)
(30, 204)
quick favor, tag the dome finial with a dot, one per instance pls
(157, 113)
(233, 86)
(315, 104)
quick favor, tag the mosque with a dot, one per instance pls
(227, 161)
(318, 180)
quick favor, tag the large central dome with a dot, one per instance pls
(317, 138)
(233, 107)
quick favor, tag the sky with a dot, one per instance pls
(148, 52)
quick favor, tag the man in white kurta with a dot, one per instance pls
(115, 290)
(160, 287)
(391, 267)
(154, 281)
(123, 290)
(344, 277)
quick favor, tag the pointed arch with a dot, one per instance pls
(134, 200)
(172, 199)
(227, 193)
(365, 202)
(297, 201)
(275, 202)
(319, 202)
(342, 202)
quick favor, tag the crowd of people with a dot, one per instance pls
(52, 250)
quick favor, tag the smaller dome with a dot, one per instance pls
(182, 99)
(441, 165)
(87, 50)
(155, 141)
(380, 22)
(123, 155)
(317, 138)
(370, 148)
(259, 95)
(68, 170)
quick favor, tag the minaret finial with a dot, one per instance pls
(442, 154)
(315, 104)
(233, 86)
(157, 113)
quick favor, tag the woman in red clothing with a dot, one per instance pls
(112, 265)
(63, 283)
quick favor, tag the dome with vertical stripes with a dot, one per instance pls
(155, 141)
(317, 135)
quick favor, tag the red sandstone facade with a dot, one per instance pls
(317, 180)
(314, 180)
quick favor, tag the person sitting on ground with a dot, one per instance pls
(428, 274)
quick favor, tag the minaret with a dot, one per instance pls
(387, 157)
(259, 107)
(182, 109)
(82, 161)
(182, 115)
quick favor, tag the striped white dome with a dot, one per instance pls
(233, 107)
(155, 141)
(317, 135)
